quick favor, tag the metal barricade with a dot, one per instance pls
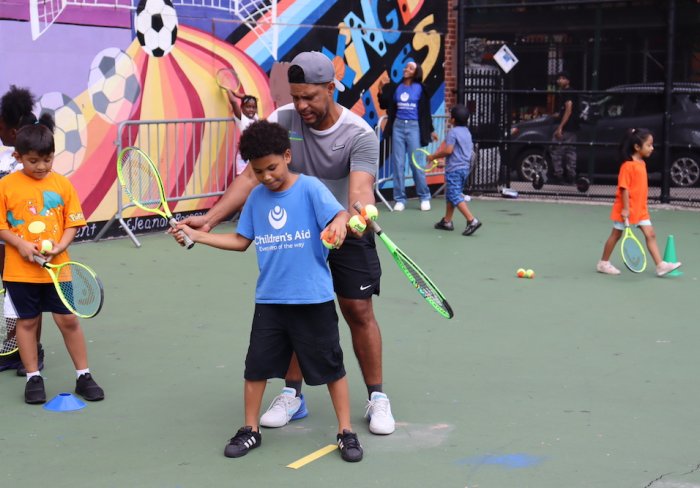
(195, 158)
(385, 171)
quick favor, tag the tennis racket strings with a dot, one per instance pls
(81, 289)
(423, 284)
(139, 181)
(633, 254)
(8, 339)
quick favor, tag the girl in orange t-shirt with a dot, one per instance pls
(631, 202)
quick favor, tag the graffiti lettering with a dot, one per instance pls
(429, 39)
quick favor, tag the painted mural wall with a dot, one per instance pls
(95, 64)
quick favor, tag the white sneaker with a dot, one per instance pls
(399, 207)
(607, 268)
(284, 407)
(425, 205)
(664, 268)
(379, 414)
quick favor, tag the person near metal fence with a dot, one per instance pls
(410, 126)
(341, 149)
(245, 113)
(630, 205)
(458, 149)
(562, 151)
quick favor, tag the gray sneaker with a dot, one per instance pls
(444, 225)
(472, 227)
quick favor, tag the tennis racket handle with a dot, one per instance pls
(373, 224)
(40, 261)
(189, 243)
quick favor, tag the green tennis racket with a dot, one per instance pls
(633, 254)
(8, 340)
(143, 185)
(426, 288)
(77, 285)
(419, 161)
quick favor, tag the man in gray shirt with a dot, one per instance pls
(341, 149)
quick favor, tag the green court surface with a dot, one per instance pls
(572, 379)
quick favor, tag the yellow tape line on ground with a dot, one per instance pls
(313, 456)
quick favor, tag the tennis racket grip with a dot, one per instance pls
(189, 243)
(40, 261)
(374, 225)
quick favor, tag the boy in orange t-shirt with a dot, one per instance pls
(630, 205)
(37, 204)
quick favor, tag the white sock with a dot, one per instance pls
(80, 372)
(35, 373)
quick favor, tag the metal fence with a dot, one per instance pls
(485, 164)
(195, 158)
(511, 121)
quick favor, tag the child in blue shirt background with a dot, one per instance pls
(458, 149)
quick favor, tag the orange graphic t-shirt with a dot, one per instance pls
(35, 210)
(633, 177)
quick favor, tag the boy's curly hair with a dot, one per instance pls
(263, 138)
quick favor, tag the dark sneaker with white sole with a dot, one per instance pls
(472, 227)
(244, 440)
(34, 392)
(350, 447)
(86, 387)
(444, 225)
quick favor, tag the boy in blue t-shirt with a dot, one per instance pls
(294, 300)
(458, 149)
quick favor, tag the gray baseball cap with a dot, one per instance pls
(317, 68)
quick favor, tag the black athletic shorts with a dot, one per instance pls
(309, 330)
(30, 299)
(355, 268)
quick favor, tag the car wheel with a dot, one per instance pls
(685, 169)
(530, 162)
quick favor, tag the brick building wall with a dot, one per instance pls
(450, 41)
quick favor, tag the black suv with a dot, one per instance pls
(604, 118)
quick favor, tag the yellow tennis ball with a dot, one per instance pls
(327, 241)
(530, 274)
(370, 212)
(358, 223)
(46, 246)
(520, 273)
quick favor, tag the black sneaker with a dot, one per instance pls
(472, 227)
(86, 387)
(40, 351)
(350, 447)
(34, 392)
(244, 440)
(444, 225)
(10, 361)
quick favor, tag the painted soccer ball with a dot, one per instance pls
(156, 26)
(113, 85)
(70, 135)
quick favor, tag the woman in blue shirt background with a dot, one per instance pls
(410, 126)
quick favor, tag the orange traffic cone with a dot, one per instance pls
(670, 255)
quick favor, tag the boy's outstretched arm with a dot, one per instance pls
(228, 242)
